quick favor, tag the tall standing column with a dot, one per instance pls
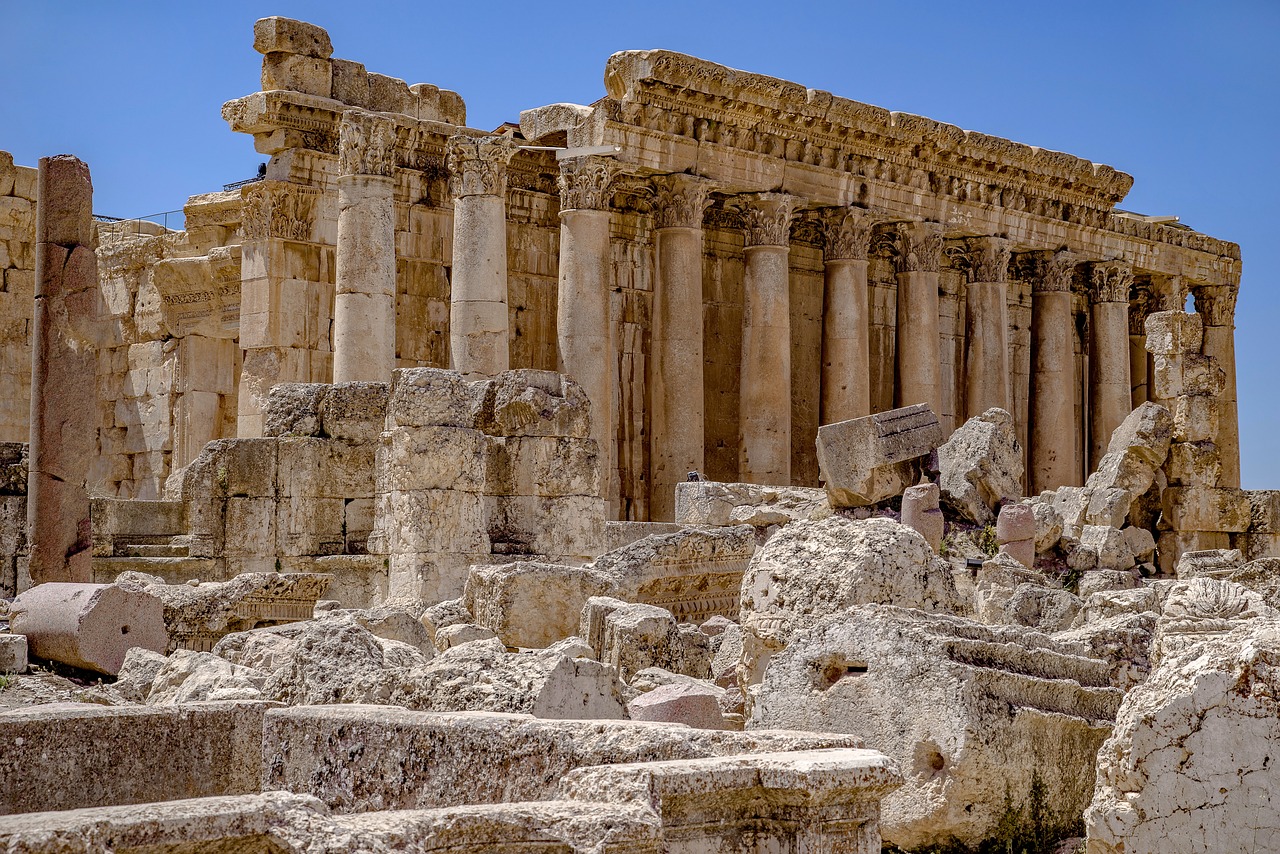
(986, 349)
(676, 404)
(364, 305)
(919, 364)
(479, 328)
(764, 404)
(1217, 305)
(63, 374)
(1111, 393)
(846, 315)
(1053, 374)
(1139, 305)
(584, 332)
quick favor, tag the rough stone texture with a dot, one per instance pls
(1208, 563)
(681, 703)
(980, 466)
(459, 634)
(90, 626)
(293, 409)
(1192, 762)
(1043, 608)
(1138, 447)
(191, 676)
(531, 604)
(630, 637)
(1262, 577)
(706, 502)
(921, 510)
(137, 673)
(1016, 532)
(994, 585)
(869, 459)
(811, 569)
(965, 710)
(13, 654)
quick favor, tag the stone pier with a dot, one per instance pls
(479, 328)
(1111, 393)
(1217, 306)
(64, 364)
(675, 376)
(583, 326)
(364, 308)
(764, 453)
(919, 345)
(1053, 375)
(986, 360)
(846, 318)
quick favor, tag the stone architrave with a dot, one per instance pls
(986, 355)
(1111, 392)
(677, 407)
(764, 409)
(364, 309)
(583, 327)
(919, 374)
(479, 327)
(870, 459)
(1217, 305)
(63, 374)
(1053, 374)
(846, 317)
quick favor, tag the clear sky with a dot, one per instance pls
(1185, 96)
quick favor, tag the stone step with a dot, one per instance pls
(1032, 662)
(1060, 696)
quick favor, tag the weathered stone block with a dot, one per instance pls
(307, 74)
(430, 397)
(570, 528)
(1204, 509)
(90, 626)
(1264, 510)
(285, 34)
(981, 466)
(439, 105)
(293, 409)
(1188, 373)
(534, 403)
(250, 527)
(920, 510)
(418, 458)
(706, 502)
(1193, 464)
(433, 521)
(870, 459)
(542, 465)
(390, 95)
(1195, 419)
(1171, 333)
(350, 83)
(684, 702)
(13, 654)
(356, 412)
(532, 604)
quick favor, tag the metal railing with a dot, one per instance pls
(235, 185)
(167, 220)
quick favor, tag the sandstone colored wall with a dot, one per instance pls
(17, 289)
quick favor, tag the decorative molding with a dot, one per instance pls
(919, 247)
(1052, 272)
(847, 233)
(366, 144)
(1111, 281)
(585, 183)
(478, 165)
(680, 201)
(278, 209)
(1139, 307)
(767, 218)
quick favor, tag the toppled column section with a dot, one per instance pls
(63, 374)
(90, 626)
(921, 510)
(867, 460)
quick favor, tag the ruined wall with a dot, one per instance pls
(17, 288)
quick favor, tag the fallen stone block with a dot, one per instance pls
(630, 637)
(707, 502)
(13, 654)
(687, 703)
(530, 604)
(193, 676)
(1016, 532)
(1262, 576)
(90, 626)
(980, 466)
(1138, 448)
(921, 511)
(867, 460)
(460, 633)
(1208, 563)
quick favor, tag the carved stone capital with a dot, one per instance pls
(1111, 281)
(1169, 293)
(920, 247)
(680, 201)
(768, 218)
(988, 259)
(1053, 272)
(1139, 307)
(366, 144)
(586, 183)
(1217, 304)
(278, 209)
(478, 165)
(846, 233)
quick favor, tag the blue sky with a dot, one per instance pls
(1185, 96)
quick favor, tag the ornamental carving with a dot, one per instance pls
(1111, 281)
(1053, 272)
(988, 259)
(366, 144)
(1169, 293)
(1139, 307)
(1217, 305)
(478, 165)
(767, 218)
(919, 247)
(680, 201)
(586, 183)
(847, 233)
(278, 209)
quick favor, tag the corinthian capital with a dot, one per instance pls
(478, 165)
(1139, 308)
(1053, 272)
(920, 247)
(767, 218)
(846, 233)
(680, 201)
(1111, 281)
(1169, 293)
(1217, 304)
(988, 259)
(586, 182)
(366, 144)
(278, 209)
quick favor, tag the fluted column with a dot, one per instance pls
(677, 408)
(764, 409)
(364, 306)
(479, 328)
(919, 366)
(1139, 306)
(584, 332)
(1217, 306)
(846, 315)
(1053, 374)
(986, 348)
(1111, 394)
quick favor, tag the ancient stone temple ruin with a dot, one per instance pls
(722, 465)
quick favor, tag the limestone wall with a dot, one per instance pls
(18, 277)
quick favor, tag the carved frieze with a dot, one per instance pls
(478, 165)
(847, 233)
(1111, 281)
(919, 247)
(366, 144)
(680, 200)
(278, 209)
(767, 218)
(586, 183)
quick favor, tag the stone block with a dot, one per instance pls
(276, 34)
(706, 502)
(981, 466)
(429, 577)
(683, 702)
(350, 83)
(1193, 464)
(571, 527)
(1208, 563)
(1204, 509)
(307, 74)
(439, 105)
(325, 468)
(7, 172)
(866, 460)
(1188, 373)
(293, 409)
(416, 458)
(534, 403)
(1195, 419)
(532, 605)
(430, 397)
(232, 467)
(459, 633)
(432, 521)
(1172, 545)
(1171, 333)
(90, 626)
(355, 412)
(309, 525)
(1264, 510)
(630, 637)
(1016, 532)
(547, 466)
(920, 510)
(250, 527)
(13, 654)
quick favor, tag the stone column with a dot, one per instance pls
(364, 305)
(1217, 305)
(63, 374)
(764, 404)
(1110, 391)
(986, 349)
(846, 315)
(919, 365)
(1139, 305)
(1053, 375)
(677, 407)
(584, 332)
(479, 328)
